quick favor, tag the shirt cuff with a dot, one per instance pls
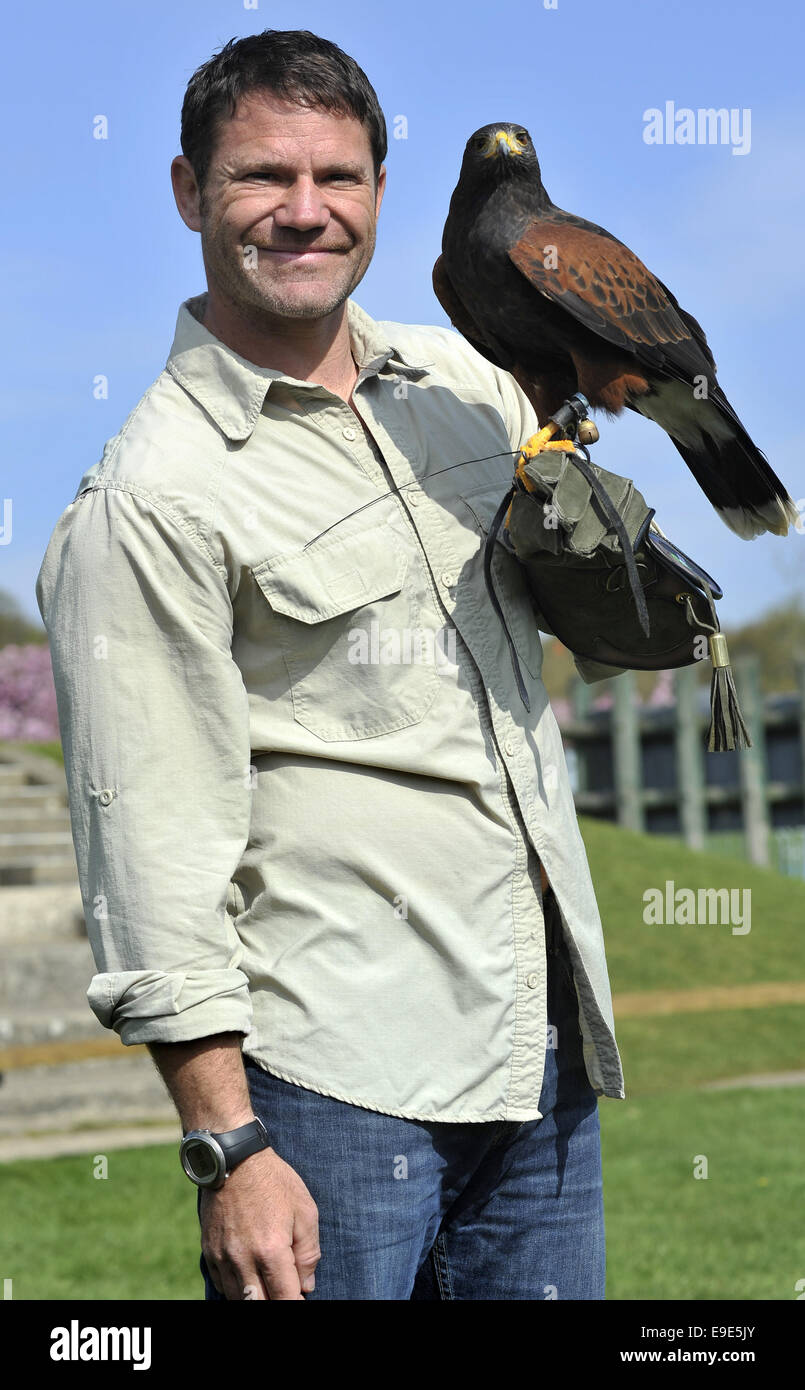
(155, 1006)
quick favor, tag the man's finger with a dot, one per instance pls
(225, 1278)
(306, 1248)
(236, 1283)
(279, 1274)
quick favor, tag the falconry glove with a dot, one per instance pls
(607, 581)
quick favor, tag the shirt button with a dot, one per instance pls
(508, 748)
(350, 433)
(105, 797)
(413, 498)
(448, 579)
(532, 980)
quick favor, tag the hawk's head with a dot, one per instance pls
(500, 150)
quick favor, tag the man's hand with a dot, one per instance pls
(260, 1231)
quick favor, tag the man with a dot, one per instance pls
(314, 823)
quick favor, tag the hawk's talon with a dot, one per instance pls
(537, 442)
(535, 445)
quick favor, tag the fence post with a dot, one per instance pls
(752, 761)
(626, 752)
(689, 757)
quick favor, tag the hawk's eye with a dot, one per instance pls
(479, 142)
(521, 135)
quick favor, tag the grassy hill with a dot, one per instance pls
(669, 1235)
(663, 1053)
(624, 864)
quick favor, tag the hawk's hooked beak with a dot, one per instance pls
(502, 142)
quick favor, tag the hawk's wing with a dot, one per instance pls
(603, 285)
(460, 318)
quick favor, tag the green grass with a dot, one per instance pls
(675, 1051)
(736, 1234)
(65, 1234)
(52, 750)
(733, 1235)
(624, 864)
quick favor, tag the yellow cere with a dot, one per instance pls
(505, 135)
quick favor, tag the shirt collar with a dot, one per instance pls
(232, 390)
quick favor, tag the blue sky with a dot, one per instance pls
(96, 259)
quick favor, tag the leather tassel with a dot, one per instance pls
(727, 728)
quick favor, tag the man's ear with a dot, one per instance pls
(186, 192)
(381, 188)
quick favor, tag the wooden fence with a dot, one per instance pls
(648, 768)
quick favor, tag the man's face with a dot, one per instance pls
(298, 185)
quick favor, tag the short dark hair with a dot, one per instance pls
(291, 63)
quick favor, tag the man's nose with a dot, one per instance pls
(302, 206)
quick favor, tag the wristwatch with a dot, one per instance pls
(209, 1158)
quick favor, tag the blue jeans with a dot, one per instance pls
(419, 1209)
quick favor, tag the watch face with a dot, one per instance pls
(201, 1162)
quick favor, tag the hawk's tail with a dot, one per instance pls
(737, 478)
(729, 468)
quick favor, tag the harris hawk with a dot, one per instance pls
(565, 307)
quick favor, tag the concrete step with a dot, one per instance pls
(128, 1089)
(51, 975)
(11, 774)
(19, 764)
(23, 843)
(65, 1022)
(97, 1137)
(41, 912)
(23, 816)
(54, 1076)
(34, 797)
(36, 843)
(36, 870)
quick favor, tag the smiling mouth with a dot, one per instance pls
(298, 252)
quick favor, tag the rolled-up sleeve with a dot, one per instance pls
(154, 721)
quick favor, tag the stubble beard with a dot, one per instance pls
(261, 298)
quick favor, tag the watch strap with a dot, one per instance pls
(239, 1143)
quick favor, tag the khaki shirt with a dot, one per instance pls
(307, 801)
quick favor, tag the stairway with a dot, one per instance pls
(59, 1067)
(36, 845)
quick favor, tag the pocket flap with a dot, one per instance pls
(331, 577)
(484, 504)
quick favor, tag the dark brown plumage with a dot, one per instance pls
(565, 307)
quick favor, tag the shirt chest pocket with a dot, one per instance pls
(348, 619)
